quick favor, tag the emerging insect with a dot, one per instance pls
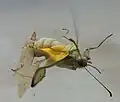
(30, 73)
(66, 56)
(28, 63)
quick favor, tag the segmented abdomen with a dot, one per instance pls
(46, 42)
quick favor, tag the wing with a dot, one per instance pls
(38, 76)
(49, 64)
(76, 31)
(26, 67)
(25, 74)
(55, 53)
(75, 26)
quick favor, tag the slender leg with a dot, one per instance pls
(91, 48)
(74, 44)
(66, 30)
(87, 51)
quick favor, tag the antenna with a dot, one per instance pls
(99, 82)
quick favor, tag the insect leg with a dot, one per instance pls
(74, 44)
(91, 48)
(99, 82)
(87, 51)
(66, 30)
(51, 65)
(70, 39)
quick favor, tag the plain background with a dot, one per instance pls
(96, 19)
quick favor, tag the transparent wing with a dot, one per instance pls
(40, 73)
(76, 34)
(74, 25)
(38, 76)
(26, 67)
(22, 84)
(25, 74)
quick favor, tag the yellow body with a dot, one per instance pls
(55, 53)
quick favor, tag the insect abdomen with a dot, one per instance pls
(46, 42)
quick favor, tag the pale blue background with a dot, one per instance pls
(95, 20)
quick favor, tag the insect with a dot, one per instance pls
(30, 73)
(67, 56)
(28, 63)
